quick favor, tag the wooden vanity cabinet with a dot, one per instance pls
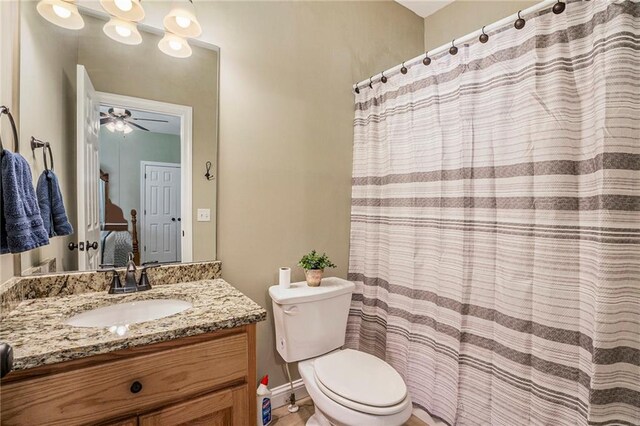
(206, 379)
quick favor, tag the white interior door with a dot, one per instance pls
(162, 219)
(88, 170)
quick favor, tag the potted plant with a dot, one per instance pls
(313, 265)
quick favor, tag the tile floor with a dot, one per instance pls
(282, 417)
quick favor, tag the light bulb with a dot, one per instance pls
(120, 125)
(123, 31)
(183, 22)
(62, 12)
(111, 127)
(124, 5)
(175, 45)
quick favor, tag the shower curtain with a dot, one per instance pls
(495, 225)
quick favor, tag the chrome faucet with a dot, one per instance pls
(130, 285)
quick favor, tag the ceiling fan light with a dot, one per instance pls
(129, 10)
(181, 20)
(175, 46)
(110, 127)
(122, 31)
(63, 13)
(127, 129)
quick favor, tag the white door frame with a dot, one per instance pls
(186, 148)
(143, 198)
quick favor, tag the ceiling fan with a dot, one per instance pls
(120, 119)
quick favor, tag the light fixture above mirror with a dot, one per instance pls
(181, 19)
(175, 46)
(128, 10)
(122, 31)
(63, 13)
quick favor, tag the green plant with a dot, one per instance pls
(314, 260)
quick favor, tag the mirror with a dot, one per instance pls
(129, 130)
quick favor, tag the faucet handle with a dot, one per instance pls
(116, 285)
(144, 283)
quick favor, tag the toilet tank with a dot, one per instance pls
(311, 321)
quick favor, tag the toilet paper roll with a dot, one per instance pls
(285, 277)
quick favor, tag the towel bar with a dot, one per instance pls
(16, 142)
(37, 143)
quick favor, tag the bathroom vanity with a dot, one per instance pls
(197, 366)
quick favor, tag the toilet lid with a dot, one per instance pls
(361, 378)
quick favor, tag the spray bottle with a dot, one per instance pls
(264, 402)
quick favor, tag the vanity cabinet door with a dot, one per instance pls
(224, 408)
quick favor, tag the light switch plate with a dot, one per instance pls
(204, 215)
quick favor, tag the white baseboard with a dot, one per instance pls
(280, 394)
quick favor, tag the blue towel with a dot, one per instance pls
(54, 216)
(22, 224)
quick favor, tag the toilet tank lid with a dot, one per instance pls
(301, 293)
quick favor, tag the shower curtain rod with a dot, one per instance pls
(418, 59)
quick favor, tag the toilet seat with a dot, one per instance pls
(361, 382)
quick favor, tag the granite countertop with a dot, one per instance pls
(37, 331)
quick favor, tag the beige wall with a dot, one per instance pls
(47, 68)
(465, 16)
(286, 132)
(9, 72)
(143, 71)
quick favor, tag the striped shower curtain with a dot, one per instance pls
(495, 225)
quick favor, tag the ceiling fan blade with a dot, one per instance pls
(150, 119)
(105, 120)
(137, 125)
(103, 114)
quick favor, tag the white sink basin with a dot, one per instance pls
(118, 317)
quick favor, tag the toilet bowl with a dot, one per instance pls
(341, 401)
(348, 387)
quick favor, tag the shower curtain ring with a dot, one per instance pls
(519, 24)
(371, 82)
(427, 60)
(403, 70)
(453, 49)
(484, 37)
(558, 8)
(383, 79)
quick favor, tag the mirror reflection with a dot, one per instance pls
(128, 138)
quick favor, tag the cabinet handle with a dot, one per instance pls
(136, 387)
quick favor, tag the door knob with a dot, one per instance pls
(79, 246)
(173, 219)
(93, 245)
(179, 219)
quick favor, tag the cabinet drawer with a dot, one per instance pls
(130, 385)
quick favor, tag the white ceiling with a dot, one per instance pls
(172, 127)
(424, 8)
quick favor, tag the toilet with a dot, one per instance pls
(348, 387)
